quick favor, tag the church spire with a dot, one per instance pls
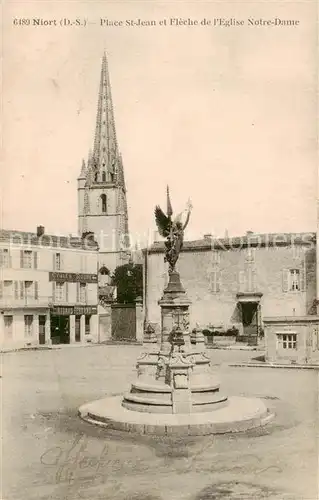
(83, 171)
(105, 151)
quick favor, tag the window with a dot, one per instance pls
(28, 325)
(103, 176)
(4, 257)
(59, 292)
(103, 203)
(297, 252)
(104, 271)
(26, 259)
(87, 325)
(294, 279)
(251, 284)
(215, 258)
(7, 289)
(82, 292)
(83, 263)
(57, 262)
(215, 281)
(8, 324)
(287, 340)
(29, 289)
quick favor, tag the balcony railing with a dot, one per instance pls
(13, 303)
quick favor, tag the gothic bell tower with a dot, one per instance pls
(102, 206)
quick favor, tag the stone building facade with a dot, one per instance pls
(238, 281)
(48, 289)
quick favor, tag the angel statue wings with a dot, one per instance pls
(172, 230)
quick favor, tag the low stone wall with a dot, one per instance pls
(224, 340)
(220, 340)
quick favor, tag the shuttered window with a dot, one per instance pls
(293, 280)
(215, 281)
(21, 289)
(8, 326)
(16, 289)
(4, 257)
(242, 281)
(28, 325)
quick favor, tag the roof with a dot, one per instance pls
(252, 240)
(47, 240)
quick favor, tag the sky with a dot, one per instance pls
(225, 115)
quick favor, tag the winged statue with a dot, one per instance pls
(173, 230)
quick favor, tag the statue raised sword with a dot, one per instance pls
(172, 230)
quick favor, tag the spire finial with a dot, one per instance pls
(105, 151)
(169, 205)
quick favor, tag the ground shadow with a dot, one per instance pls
(261, 359)
(234, 490)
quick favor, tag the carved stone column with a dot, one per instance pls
(179, 368)
(174, 311)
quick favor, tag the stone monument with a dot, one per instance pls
(175, 390)
(176, 378)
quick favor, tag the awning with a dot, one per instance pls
(249, 297)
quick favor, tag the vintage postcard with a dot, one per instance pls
(159, 258)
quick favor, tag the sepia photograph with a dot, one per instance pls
(159, 250)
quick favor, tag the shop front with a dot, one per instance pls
(73, 324)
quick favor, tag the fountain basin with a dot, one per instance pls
(240, 414)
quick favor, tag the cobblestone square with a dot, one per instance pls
(51, 454)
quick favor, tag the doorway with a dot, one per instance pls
(42, 321)
(60, 329)
(250, 321)
(77, 328)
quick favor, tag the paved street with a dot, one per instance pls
(50, 454)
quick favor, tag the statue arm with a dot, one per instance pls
(187, 220)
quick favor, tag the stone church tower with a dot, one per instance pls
(102, 206)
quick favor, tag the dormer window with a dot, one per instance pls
(104, 271)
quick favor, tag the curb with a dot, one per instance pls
(109, 413)
(269, 365)
(50, 348)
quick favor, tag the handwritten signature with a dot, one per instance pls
(70, 462)
(76, 466)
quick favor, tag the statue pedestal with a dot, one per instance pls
(176, 378)
(175, 392)
(179, 369)
(174, 311)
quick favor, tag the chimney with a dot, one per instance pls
(40, 231)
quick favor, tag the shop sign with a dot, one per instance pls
(70, 310)
(73, 277)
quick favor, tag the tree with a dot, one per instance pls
(129, 282)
